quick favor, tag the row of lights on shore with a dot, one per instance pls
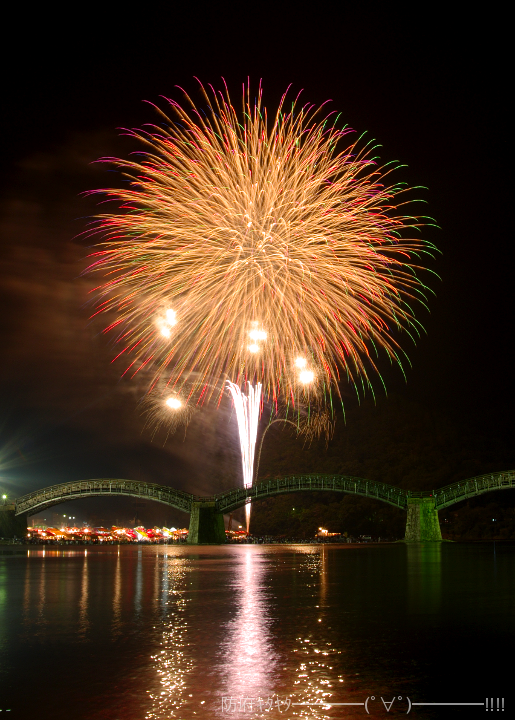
(256, 335)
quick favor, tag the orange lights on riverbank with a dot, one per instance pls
(105, 535)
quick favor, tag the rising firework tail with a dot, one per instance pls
(243, 242)
(248, 411)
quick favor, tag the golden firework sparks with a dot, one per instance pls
(253, 250)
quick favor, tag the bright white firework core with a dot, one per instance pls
(257, 335)
(174, 403)
(306, 376)
(253, 348)
(171, 317)
(247, 414)
(301, 362)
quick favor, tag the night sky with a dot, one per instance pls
(433, 90)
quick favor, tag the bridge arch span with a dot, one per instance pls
(442, 497)
(237, 497)
(455, 493)
(422, 506)
(102, 487)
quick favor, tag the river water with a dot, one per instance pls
(256, 631)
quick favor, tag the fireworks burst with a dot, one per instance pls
(167, 411)
(256, 250)
(253, 252)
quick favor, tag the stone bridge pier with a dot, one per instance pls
(422, 523)
(206, 524)
(12, 525)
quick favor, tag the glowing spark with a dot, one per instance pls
(253, 348)
(301, 362)
(174, 403)
(171, 317)
(257, 335)
(306, 376)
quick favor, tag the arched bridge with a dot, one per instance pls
(206, 523)
(47, 497)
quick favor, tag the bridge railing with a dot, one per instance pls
(359, 486)
(456, 492)
(104, 486)
(445, 496)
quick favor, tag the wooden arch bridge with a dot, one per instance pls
(206, 512)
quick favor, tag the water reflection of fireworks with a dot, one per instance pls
(172, 663)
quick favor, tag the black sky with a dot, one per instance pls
(433, 89)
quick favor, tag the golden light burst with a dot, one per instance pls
(241, 243)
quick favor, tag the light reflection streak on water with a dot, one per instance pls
(3, 603)
(249, 660)
(34, 597)
(314, 650)
(156, 574)
(172, 663)
(138, 585)
(424, 577)
(42, 594)
(26, 593)
(117, 596)
(84, 597)
(165, 585)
